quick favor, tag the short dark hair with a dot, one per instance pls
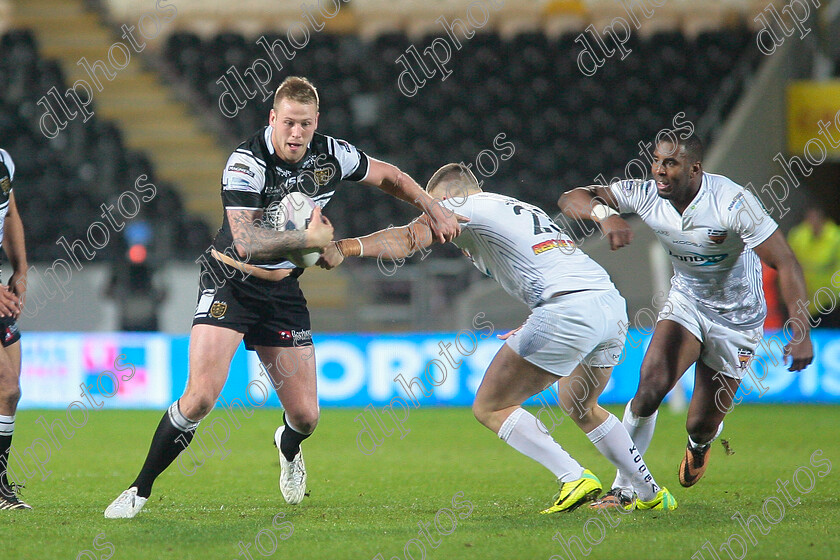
(692, 145)
(694, 149)
(297, 89)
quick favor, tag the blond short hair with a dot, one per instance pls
(296, 88)
(453, 179)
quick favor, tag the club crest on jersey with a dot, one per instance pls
(6, 185)
(218, 309)
(744, 357)
(717, 236)
(323, 175)
(552, 244)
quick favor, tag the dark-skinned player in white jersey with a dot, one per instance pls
(571, 337)
(267, 309)
(715, 232)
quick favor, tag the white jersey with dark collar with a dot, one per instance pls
(7, 178)
(710, 245)
(519, 246)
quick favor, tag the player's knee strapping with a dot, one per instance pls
(216, 429)
(179, 420)
(187, 428)
(182, 424)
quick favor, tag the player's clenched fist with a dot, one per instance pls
(331, 257)
(320, 230)
(9, 303)
(445, 226)
(617, 231)
(801, 354)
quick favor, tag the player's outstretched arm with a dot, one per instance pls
(597, 203)
(389, 178)
(15, 247)
(777, 254)
(394, 243)
(252, 240)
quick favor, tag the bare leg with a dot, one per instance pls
(671, 352)
(9, 398)
(211, 350)
(710, 402)
(293, 374)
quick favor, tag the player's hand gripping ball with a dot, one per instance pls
(293, 213)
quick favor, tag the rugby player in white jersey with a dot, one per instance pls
(11, 300)
(571, 337)
(715, 232)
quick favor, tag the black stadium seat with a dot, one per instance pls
(567, 128)
(63, 181)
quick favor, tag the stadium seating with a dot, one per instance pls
(62, 182)
(567, 128)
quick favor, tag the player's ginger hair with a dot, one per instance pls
(297, 89)
(453, 180)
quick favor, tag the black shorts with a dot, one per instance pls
(268, 313)
(9, 330)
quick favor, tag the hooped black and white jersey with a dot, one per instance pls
(256, 179)
(7, 176)
(520, 247)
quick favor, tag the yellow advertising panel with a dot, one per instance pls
(809, 104)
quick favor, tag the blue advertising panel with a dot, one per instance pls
(437, 369)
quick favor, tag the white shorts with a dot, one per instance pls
(724, 349)
(584, 327)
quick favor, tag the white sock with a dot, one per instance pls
(179, 420)
(640, 429)
(614, 443)
(522, 431)
(691, 442)
(7, 425)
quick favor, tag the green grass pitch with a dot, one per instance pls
(364, 505)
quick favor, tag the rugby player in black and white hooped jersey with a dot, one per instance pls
(267, 309)
(715, 232)
(572, 336)
(11, 301)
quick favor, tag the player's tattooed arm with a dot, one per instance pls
(254, 239)
(393, 243)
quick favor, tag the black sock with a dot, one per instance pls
(167, 444)
(5, 446)
(290, 441)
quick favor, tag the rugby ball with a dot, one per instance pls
(293, 213)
